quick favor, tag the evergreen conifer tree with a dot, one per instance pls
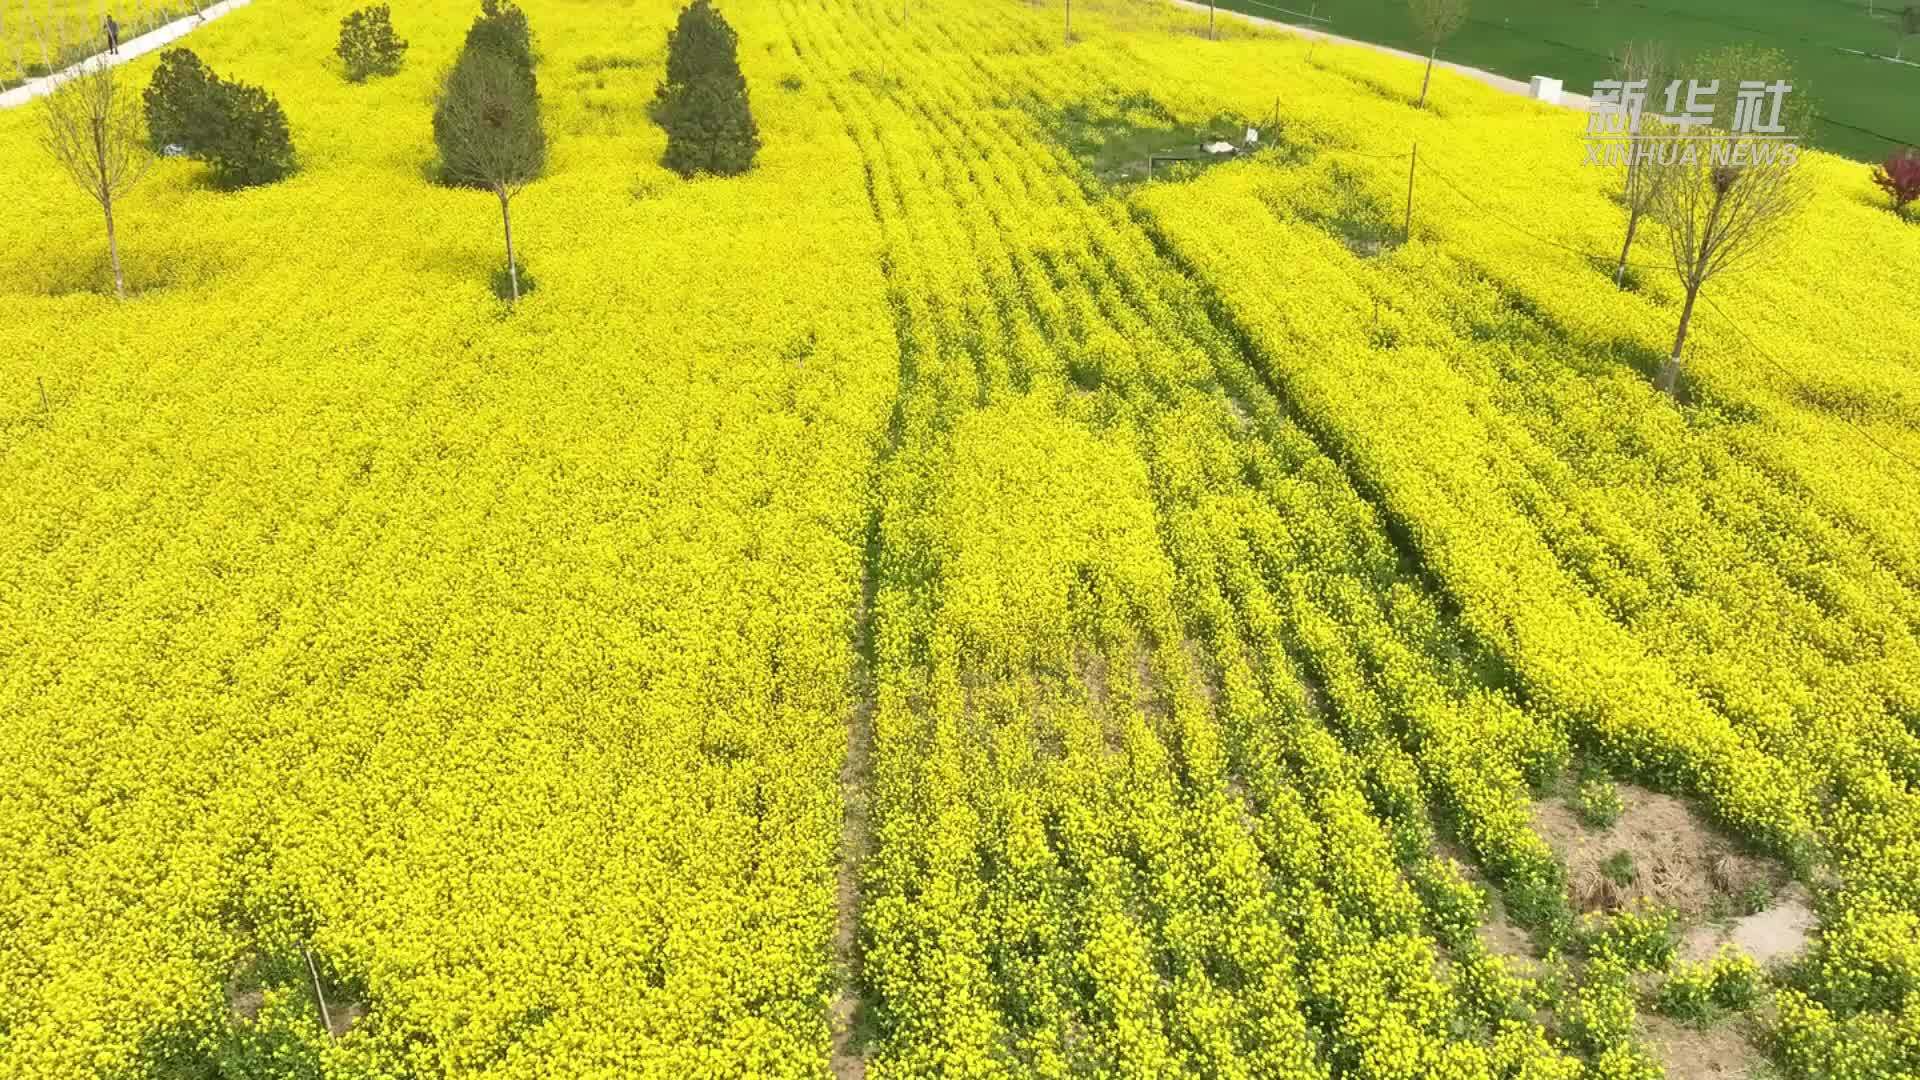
(502, 27)
(488, 128)
(703, 100)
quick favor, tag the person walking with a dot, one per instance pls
(113, 37)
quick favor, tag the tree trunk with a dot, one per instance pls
(1429, 76)
(1670, 374)
(1620, 272)
(1697, 275)
(113, 251)
(506, 221)
(104, 192)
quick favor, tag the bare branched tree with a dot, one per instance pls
(489, 131)
(1723, 200)
(1435, 21)
(1728, 190)
(92, 128)
(1643, 65)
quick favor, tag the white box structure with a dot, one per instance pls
(1545, 89)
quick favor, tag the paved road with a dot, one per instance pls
(130, 48)
(1498, 82)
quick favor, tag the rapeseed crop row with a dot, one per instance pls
(1735, 607)
(1049, 699)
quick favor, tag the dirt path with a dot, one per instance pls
(856, 780)
(132, 47)
(1498, 82)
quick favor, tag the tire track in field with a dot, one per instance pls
(847, 1059)
(847, 1013)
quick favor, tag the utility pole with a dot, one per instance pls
(1068, 37)
(1210, 5)
(326, 1018)
(1413, 162)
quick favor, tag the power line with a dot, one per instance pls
(1377, 157)
(1287, 11)
(1791, 377)
(1522, 228)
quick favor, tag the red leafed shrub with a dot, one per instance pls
(1900, 176)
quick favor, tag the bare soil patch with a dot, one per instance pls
(1205, 680)
(1242, 416)
(1497, 932)
(1720, 1052)
(1503, 938)
(246, 1003)
(1780, 931)
(846, 1060)
(1154, 703)
(1672, 858)
(1094, 676)
(344, 1017)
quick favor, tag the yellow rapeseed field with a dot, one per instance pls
(931, 606)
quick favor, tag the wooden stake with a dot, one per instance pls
(1412, 162)
(325, 1017)
(44, 407)
(1210, 5)
(1067, 38)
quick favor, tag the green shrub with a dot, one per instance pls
(255, 145)
(368, 46)
(1619, 869)
(183, 103)
(238, 129)
(1753, 898)
(1538, 902)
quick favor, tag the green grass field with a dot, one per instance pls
(1867, 106)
